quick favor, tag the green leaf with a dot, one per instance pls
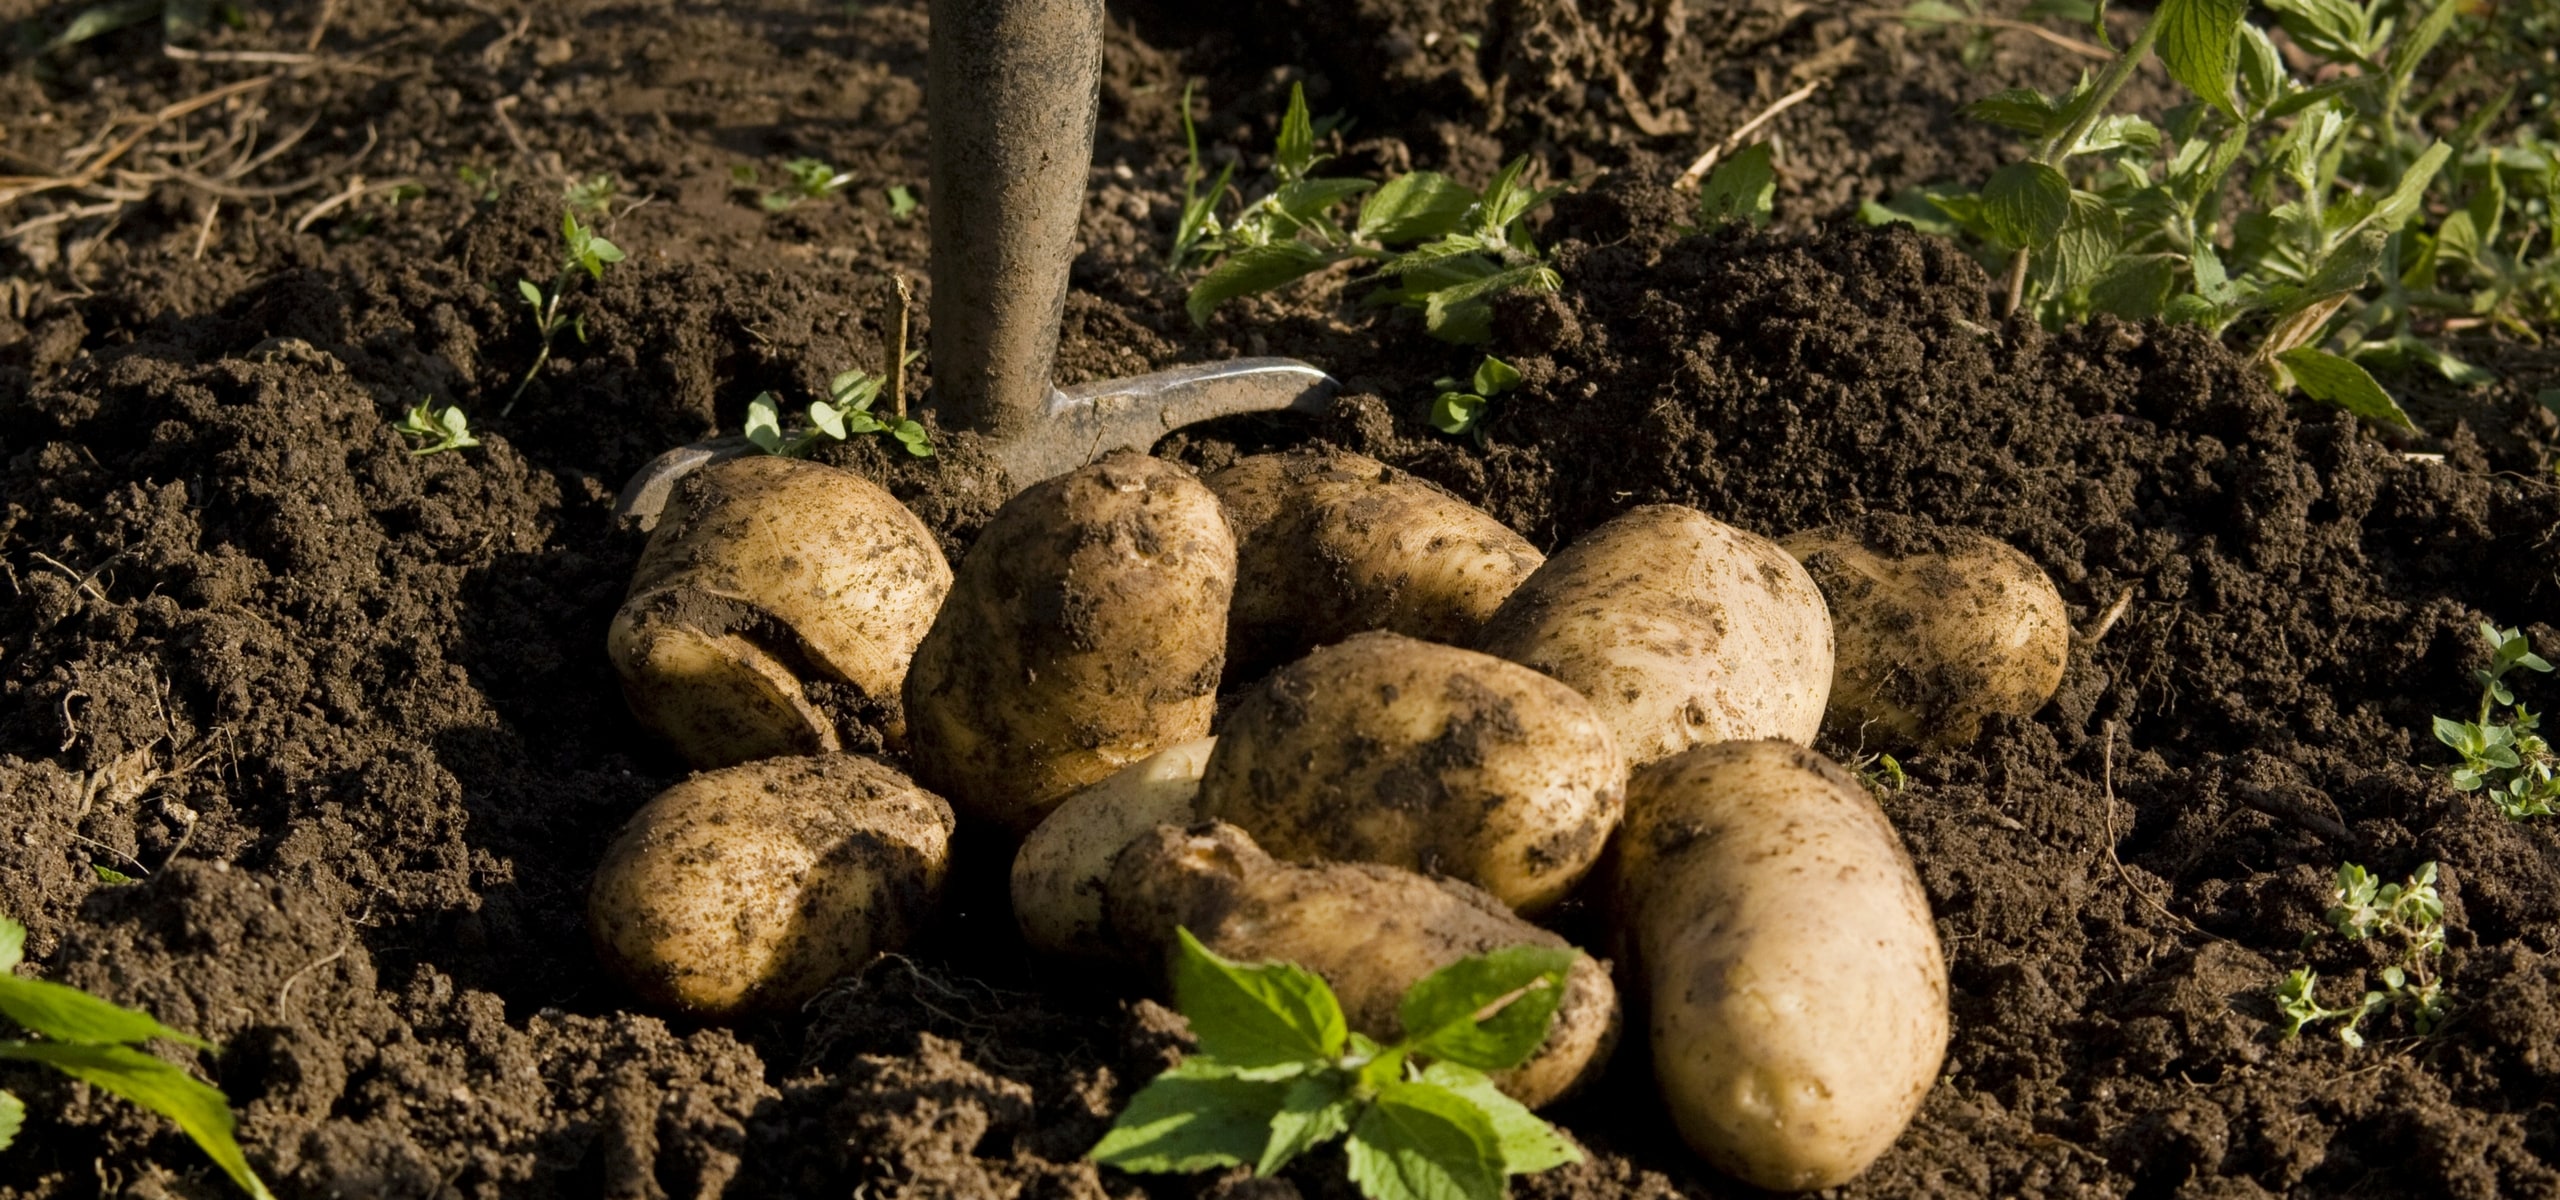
(532, 294)
(1296, 152)
(1494, 377)
(1253, 271)
(1421, 1141)
(2120, 131)
(2420, 40)
(902, 203)
(2262, 74)
(1463, 312)
(1192, 1118)
(2395, 209)
(2137, 288)
(2086, 244)
(764, 423)
(1316, 1110)
(13, 1117)
(13, 944)
(911, 435)
(67, 1014)
(2333, 380)
(2026, 204)
(1529, 1144)
(1488, 1011)
(109, 876)
(196, 1107)
(602, 251)
(2022, 109)
(1412, 208)
(1742, 187)
(1255, 1016)
(828, 421)
(2200, 44)
(1306, 199)
(98, 20)
(1456, 412)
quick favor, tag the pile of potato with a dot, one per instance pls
(1433, 735)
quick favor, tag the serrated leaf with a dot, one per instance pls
(2262, 74)
(1252, 271)
(1415, 207)
(1463, 312)
(1189, 1119)
(1743, 187)
(1304, 200)
(2022, 109)
(2333, 380)
(1316, 1110)
(2120, 131)
(67, 1014)
(1255, 1016)
(2348, 266)
(2137, 288)
(157, 1085)
(13, 944)
(1528, 1143)
(1446, 1015)
(2200, 44)
(2085, 245)
(2395, 209)
(13, 1117)
(1421, 1141)
(2026, 203)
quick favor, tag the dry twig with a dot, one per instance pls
(1733, 141)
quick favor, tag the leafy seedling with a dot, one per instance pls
(179, 20)
(442, 430)
(1461, 405)
(902, 204)
(592, 196)
(2410, 914)
(1741, 188)
(1280, 1073)
(2509, 760)
(100, 1044)
(584, 250)
(805, 179)
(846, 412)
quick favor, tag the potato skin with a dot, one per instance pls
(1371, 931)
(765, 579)
(1681, 629)
(1085, 631)
(1797, 996)
(1937, 629)
(1428, 757)
(748, 889)
(1329, 544)
(1059, 873)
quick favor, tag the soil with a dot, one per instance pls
(343, 715)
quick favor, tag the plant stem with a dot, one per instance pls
(2094, 105)
(898, 341)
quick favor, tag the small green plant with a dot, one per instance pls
(179, 20)
(1462, 402)
(1742, 188)
(845, 412)
(2508, 759)
(100, 1044)
(803, 179)
(592, 196)
(1429, 243)
(902, 204)
(584, 251)
(483, 182)
(2364, 908)
(1279, 1073)
(443, 430)
(1879, 772)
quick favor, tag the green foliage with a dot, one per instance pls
(582, 250)
(2323, 226)
(1461, 405)
(902, 204)
(448, 429)
(844, 413)
(2410, 914)
(1279, 1073)
(592, 196)
(1879, 772)
(803, 179)
(96, 1042)
(1425, 241)
(2507, 759)
(179, 19)
(1741, 188)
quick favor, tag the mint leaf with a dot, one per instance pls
(1317, 1110)
(2026, 203)
(1255, 1016)
(2200, 44)
(1529, 1145)
(2333, 380)
(1421, 1141)
(1192, 1118)
(13, 944)
(156, 1085)
(2022, 109)
(1306, 199)
(1252, 271)
(1489, 1011)
(1741, 188)
(1413, 208)
(67, 1014)
(13, 1116)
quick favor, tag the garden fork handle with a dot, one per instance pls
(1011, 92)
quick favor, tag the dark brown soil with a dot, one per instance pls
(345, 714)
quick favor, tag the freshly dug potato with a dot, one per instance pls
(1329, 544)
(747, 889)
(1085, 631)
(1059, 873)
(773, 590)
(1371, 931)
(1937, 629)
(1681, 630)
(1388, 750)
(1796, 994)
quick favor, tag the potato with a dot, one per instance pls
(1085, 631)
(1371, 931)
(1389, 750)
(1681, 630)
(1797, 997)
(773, 590)
(1059, 873)
(1330, 544)
(1937, 629)
(748, 889)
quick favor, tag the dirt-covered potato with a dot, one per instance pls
(748, 889)
(1329, 544)
(1681, 630)
(1371, 931)
(1059, 872)
(1937, 629)
(1413, 754)
(775, 610)
(1085, 631)
(1794, 987)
